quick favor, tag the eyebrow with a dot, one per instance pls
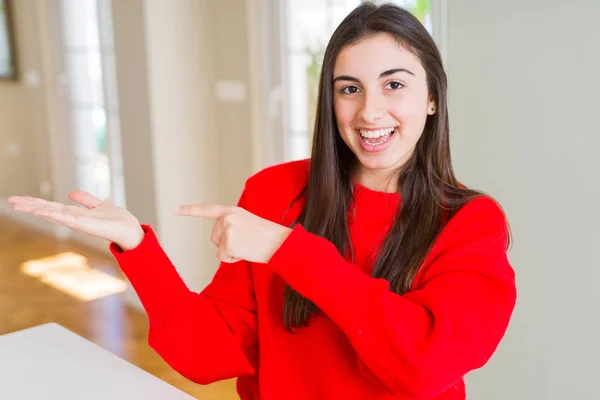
(382, 75)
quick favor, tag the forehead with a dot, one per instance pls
(373, 55)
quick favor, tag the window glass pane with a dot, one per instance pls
(90, 67)
(90, 145)
(80, 23)
(99, 125)
(93, 176)
(420, 9)
(298, 90)
(309, 25)
(299, 145)
(85, 78)
(86, 144)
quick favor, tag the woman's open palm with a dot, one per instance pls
(96, 218)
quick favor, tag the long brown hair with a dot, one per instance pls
(430, 192)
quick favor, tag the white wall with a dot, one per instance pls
(30, 142)
(23, 166)
(180, 144)
(184, 141)
(524, 96)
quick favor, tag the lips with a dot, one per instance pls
(373, 140)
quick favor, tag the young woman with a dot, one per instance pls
(366, 272)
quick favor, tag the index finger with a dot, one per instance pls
(85, 199)
(211, 211)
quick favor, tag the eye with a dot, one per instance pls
(349, 89)
(394, 85)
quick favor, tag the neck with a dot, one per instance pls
(377, 180)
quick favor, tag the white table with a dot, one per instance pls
(50, 362)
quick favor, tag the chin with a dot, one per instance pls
(393, 156)
(380, 162)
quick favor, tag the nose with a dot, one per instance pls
(372, 109)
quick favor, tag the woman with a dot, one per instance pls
(366, 272)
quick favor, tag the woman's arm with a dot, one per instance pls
(420, 343)
(207, 336)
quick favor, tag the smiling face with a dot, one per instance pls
(381, 104)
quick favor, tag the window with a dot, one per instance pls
(89, 59)
(7, 51)
(308, 26)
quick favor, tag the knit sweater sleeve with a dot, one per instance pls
(207, 336)
(421, 343)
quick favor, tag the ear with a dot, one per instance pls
(431, 106)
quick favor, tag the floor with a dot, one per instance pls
(108, 321)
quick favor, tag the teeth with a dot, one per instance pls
(376, 134)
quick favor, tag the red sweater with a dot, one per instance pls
(368, 342)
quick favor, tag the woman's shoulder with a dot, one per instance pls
(476, 238)
(271, 190)
(290, 173)
(479, 219)
(482, 205)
